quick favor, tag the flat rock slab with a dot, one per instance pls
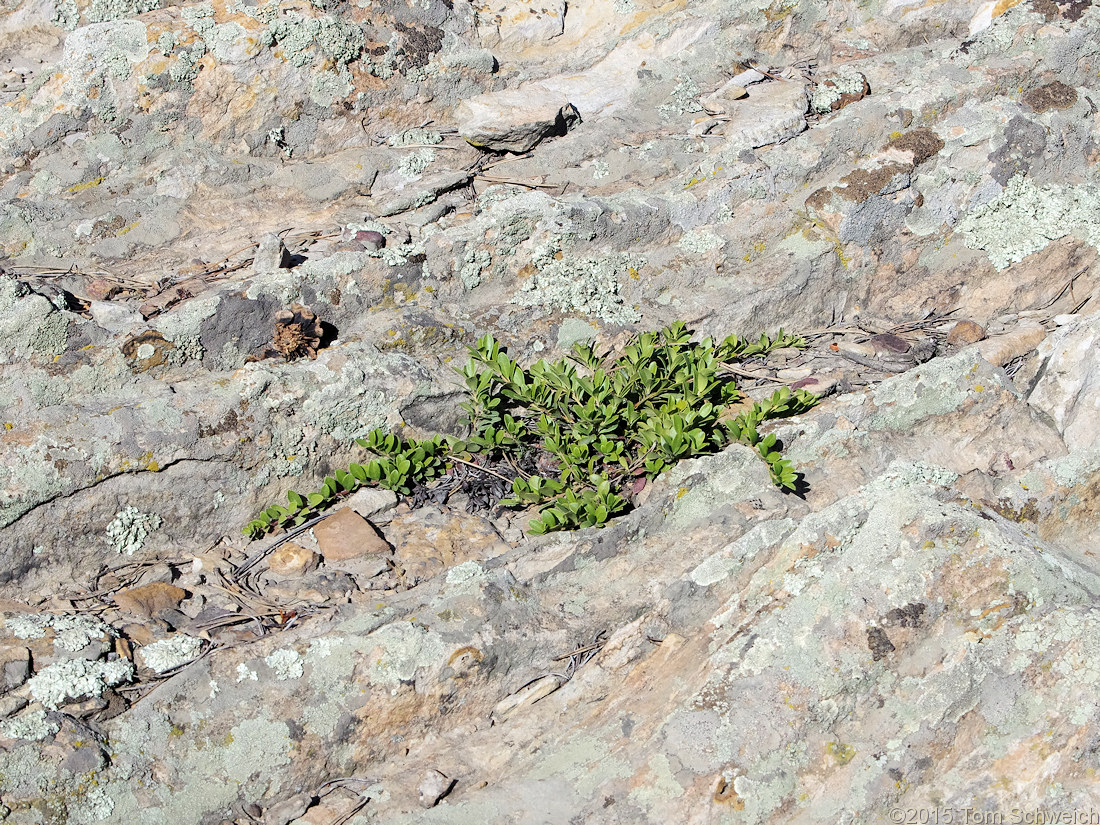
(429, 541)
(515, 121)
(148, 600)
(769, 113)
(347, 535)
(1069, 389)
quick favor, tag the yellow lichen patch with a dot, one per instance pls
(80, 187)
(842, 753)
(754, 252)
(845, 261)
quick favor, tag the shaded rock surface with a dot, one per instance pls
(912, 186)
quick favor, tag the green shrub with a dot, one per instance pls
(594, 428)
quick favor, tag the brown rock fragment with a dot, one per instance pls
(147, 601)
(888, 342)
(139, 634)
(161, 301)
(431, 541)
(101, 289)
(347, 535)
(965, 332)
(147, 350)
(292, 560)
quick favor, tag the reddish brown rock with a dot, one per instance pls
(147, 601)
(965, 332)
(347, 535)
(100, 289)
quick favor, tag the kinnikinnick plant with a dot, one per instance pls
(578, 437)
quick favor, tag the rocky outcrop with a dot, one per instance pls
(234, 238)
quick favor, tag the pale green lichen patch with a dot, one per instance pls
(722, 480)
(327, 87)
(474, 262)
(415, 137)
(166, 654)
(414, 163)
(101, 11)
(732, 557)
(465, 572)
(846, 81)
(32, 725)
(51, 335)
(587, 285)
(286, 664)
(298, 36)
(72, 633)
(1026, 217)
(345, 408)
(257, 747)
(66, 14)
(130, 528)
(1075, 468)
(909, 473)
(71, 679)
(932, 389)
(403, 649)
(332, 661)
(683, 100)
(91, 52)
(699, 241)
(586, 761)
(662, 784)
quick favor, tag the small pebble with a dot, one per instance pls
(965, 332)
(371, 239)
(793, 373)
(271, 256)
(433, 787)
(292, 560)
(288, 810)
(888, 342)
